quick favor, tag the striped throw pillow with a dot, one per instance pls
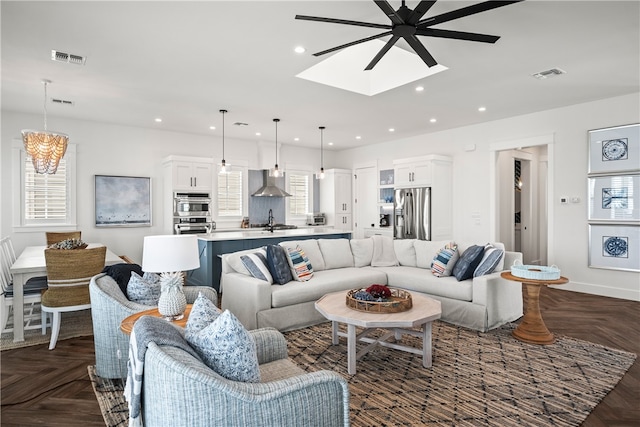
(300, 266)
(444, 260)
(490, 260)
(256, 263)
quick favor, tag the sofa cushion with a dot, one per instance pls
(405, 251)
(278, 263)
(203, 313)
(468, 262)
(144, 290)
(324, 282)
(445, 260)
(228, 348)
(301, 268)
(426, 250)
(311, 249)
(384, 254)
(121, 273)
(421, 280)
(256, 263)
(336, 253)
(490, 260)
(362, 250)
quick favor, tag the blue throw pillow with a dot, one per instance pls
(256, 263)
(143, 291)
(468, 262)
(489, 261)
(121, 273)
(228, 348)
(278, 264)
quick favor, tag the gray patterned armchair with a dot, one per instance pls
(109, 306)
(180, 390)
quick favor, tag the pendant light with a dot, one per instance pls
(276, 171)
(223, 166)
(45, 148)
(321, 174)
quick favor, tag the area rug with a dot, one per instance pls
(74, 324)
(487, 379)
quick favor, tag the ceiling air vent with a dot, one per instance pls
(548, 73)
(62, 101)
(69, 58)
(241, 124)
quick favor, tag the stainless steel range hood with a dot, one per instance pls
(270, 189)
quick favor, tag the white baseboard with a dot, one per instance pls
(605, 291)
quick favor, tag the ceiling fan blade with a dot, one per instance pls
(458, 35)
(422, 8)
(389, 11)
(343, 21)
(465, 11)
(421, 50)
(382, 52)
(333, 49)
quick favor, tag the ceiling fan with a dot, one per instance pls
(407, 24)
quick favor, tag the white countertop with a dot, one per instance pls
(262, 234)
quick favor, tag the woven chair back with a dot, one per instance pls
(73, 267)
(59, 236)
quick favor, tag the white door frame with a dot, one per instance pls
(549, 141)
(358, 229)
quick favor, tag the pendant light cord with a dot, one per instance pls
(223, 113)
(276, 120)
(45, 104)
(321, 147)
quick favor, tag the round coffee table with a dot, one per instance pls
(126, 325)
(532, 329)
(424, 311)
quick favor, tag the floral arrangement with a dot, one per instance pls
(378, 293)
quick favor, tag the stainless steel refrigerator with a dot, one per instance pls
(412, 213)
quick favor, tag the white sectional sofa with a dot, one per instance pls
(481, 303)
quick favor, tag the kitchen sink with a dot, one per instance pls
(275, 226)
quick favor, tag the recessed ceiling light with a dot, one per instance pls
(258, 134)
(212, 127)
(296, 139)
(358, 137)
(481, 109)
(433, 120)
(331, 143)
(158, 119)
(419, 88)
(299, 49)
(392, 130)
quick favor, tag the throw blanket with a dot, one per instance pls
(383, 253)
(147, 329)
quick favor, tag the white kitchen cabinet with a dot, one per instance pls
(378, 231)
(189, 173)
(335, 198)
(414, 172)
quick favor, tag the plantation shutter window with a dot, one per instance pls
(45, 195)
(299, 190)
(230, 194)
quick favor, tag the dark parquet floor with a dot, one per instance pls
(52, 388)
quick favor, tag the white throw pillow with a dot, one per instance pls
(336, 253)
(311, 250)
(405, 251)
(362, 250)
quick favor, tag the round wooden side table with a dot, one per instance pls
(126, 325)
(532, 329)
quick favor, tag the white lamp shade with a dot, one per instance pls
(170, 253)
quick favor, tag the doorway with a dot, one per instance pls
(365, 198)
(521, 198)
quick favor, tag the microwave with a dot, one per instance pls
(316, 219)
(191, 204)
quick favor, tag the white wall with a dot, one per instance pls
(568, 233)
(118, 150)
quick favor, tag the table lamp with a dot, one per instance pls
(170, 255)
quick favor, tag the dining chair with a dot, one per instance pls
(68, 274)
(59, 236)
(32, 290)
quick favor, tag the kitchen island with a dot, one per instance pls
(212, 245)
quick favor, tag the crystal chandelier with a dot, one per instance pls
(45, 148)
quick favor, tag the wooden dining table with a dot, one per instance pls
(31, 263)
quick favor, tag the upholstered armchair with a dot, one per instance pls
(180, 390)
(109, 306)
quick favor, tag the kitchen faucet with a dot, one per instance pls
(270, 223)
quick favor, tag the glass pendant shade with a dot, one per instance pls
(45, 148)
(224, 167)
